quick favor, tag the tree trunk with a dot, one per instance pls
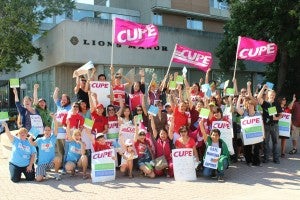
(282, 71)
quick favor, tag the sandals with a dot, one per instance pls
(293, 151)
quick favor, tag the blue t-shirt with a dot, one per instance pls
(46, 149)
(21, 152)
(74, 151)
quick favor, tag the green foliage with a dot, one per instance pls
(19, 21)
(274, 21)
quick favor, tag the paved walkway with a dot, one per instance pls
(272, 181)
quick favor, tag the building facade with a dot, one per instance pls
(87, 36)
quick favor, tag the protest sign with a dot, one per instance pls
(88, 123)
(204, 113)
(102, 89)
(153, 110)
(4, 116)
(226, 133)
(14, 83)
(103, 166)
(183, 164)
(284, 124)
(252, 130)
(36, 122)
(211, 154)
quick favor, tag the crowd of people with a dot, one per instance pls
(64, 144)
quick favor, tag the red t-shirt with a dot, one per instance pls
(141, 147)
(118, 91)
(190, 144)
(163, 148)
(180, 119)
(100, 147)
(76, 120)
(99, 122)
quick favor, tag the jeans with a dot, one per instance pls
(208, 171)
(273, 132)
(16, 172)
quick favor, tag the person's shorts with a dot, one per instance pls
(295, 132)
(41, 169)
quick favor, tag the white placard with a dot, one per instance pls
(102, 89)
(252, 130)
(226, 133)
(37, 122)
(284, 125)
(211, 154)
(103, 166)
(183, 164)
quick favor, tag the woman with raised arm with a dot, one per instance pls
(75, 152)
(46, 156)
(249, 111)
(28, 113)
(163, 146)
(40, 105)
(144, 151)
(23, 155)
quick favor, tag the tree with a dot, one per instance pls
(274, 21)
(19, 21)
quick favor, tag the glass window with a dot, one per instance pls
(107, 3)
(194, 24)
(218, 5)
(157, 19)
(85, 1)
(105, 16)
(80, 14)
(60, 18)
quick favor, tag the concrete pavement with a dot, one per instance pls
(272, 181)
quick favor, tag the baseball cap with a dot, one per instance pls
(100, 106)
(128, 142)
(99, 135)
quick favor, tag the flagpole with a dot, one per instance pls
(112, 45)
(171, 60)
(236, 55)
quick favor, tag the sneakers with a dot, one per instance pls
(85, 176)
(293, 151)
(220, 179)
(63, 172)
(57, 176)
(276, 161)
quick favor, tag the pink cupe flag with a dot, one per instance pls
(200, 59)
(256, 50)
(134, 34)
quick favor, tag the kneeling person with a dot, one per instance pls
(75, 153)
(46, 156)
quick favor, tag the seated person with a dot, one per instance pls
(223, 161)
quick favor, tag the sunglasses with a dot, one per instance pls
(75, 106)
(129, 146)
(83, 80)
(185, 131)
